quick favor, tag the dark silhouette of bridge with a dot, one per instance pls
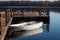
(29, 4)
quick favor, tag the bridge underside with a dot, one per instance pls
(22, 19)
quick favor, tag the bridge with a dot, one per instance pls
(29, 4)
(25, 7)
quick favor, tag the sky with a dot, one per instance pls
(30, 0)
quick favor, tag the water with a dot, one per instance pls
(47, 32)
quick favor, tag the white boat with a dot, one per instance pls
(20, 34)
(27, 26)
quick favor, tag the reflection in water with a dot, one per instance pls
(50, 30)
(39, 31)
(26, 33)
(20, 34)
(23, 34)
(46, 24)
(47, 27)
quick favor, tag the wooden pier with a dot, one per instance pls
(10, 13)
(4, 30)
(6, 18)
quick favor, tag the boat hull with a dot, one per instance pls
(29, 27)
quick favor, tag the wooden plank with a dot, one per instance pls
(4, 30)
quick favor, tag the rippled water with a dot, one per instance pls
(47, 32)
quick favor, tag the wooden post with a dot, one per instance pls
(8, 14)
(47, 27)
(3, 20)
(6, 17)
(11, 12)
